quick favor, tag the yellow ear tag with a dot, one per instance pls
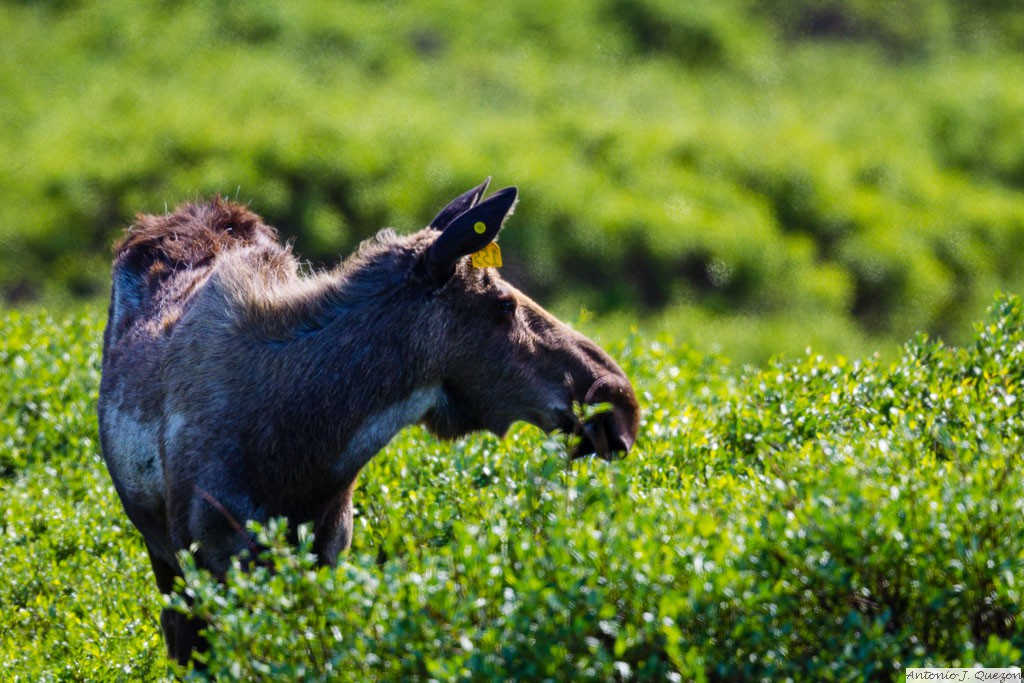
(488, 257)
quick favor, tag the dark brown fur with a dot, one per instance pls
(236, 388)
(192, 235)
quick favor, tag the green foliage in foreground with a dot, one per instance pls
(817, 519)
(76, 598)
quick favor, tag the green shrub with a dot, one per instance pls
(76, 598)
(911, 29)
(815, 519)
(828, 519)
(847, 162)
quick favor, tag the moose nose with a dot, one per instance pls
(613, 431)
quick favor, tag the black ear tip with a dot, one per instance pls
(481, 188)
(507, 195)
(460, 204)
(499, 205)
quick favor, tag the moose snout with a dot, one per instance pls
(610, 431)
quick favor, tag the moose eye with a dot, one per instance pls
(506, 306)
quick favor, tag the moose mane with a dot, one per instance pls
(281, 304)
(271, 294)
(193, 235)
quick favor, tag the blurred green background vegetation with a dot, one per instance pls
(757, 176)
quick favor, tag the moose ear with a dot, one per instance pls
(471, 231)
(463, 202)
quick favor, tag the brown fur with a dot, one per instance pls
(192, 235)
(234, 387)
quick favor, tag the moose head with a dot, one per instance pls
(505, 357)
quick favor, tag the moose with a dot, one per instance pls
(238, 386)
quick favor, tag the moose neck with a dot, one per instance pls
(350, 374)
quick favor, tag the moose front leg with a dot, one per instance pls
(181, 634)
(333, 529)
(211, 523)
(165, 574)
(217, 521)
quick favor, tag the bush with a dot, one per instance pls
(844, 162)
(76, 600)
(835, 520)
(829, 519)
